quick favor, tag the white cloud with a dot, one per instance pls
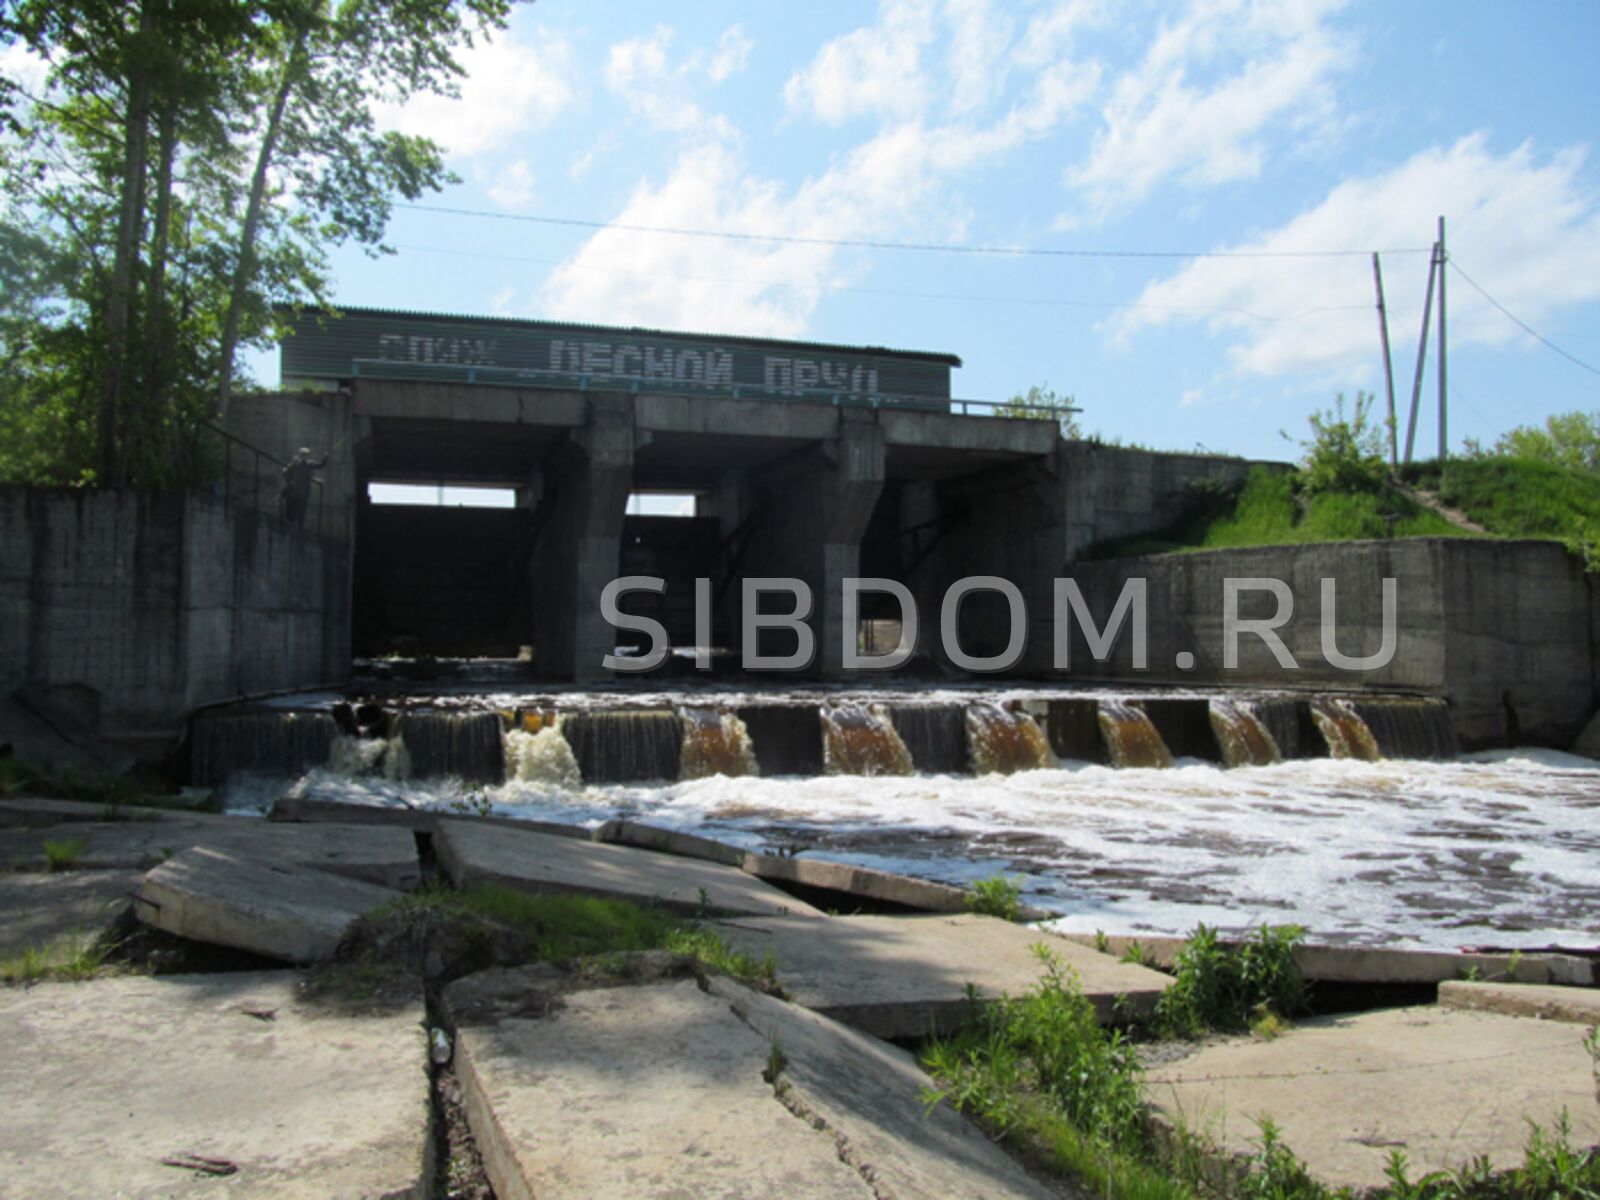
(980, 39)
(1210, 89)
(732, 52)
(882, 187)
(511, 88)
(513, 185)
(641, 72)
(580, 165)
(1527, 229)
(874, 70)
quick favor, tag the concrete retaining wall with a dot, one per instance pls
(1502, 629)
(1113, 492)
(127, 610)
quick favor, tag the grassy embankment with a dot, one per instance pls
(1508, 497)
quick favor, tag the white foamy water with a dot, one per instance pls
(1500, 848)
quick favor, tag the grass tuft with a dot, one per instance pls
(1233, 988)
(62, 854)
(997, 896)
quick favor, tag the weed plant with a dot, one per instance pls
(997, 896)
(1232, 988)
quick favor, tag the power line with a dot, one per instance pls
(964, 298)
(1521, 324)
(863, 244)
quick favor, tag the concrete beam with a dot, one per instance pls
(412, 400)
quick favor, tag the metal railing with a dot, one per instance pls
(258, 462)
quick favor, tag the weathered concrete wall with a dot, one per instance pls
(279, 423)
(1114, 492)
(128, 610)
(1502, 629)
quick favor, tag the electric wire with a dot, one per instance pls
(1520, 323)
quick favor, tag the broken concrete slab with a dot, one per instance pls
(38, 812)
(666, 1090)
(668, 841)
(474, 854)
(1541, 1001)
(907, 976)
(39, 910)
(865, 883)
(102, 1081)
(1440, 1084)
(383, 856)
(273, 907)
(316, 810)
(1369, 964)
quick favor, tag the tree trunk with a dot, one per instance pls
(158, 325)
(119, 304)
(244, 268)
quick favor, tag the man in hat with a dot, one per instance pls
(298, 476)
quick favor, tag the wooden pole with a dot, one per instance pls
(1422, 352)
(1444, 408)
(1388, 364)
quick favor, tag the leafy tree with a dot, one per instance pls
(187, 165)
(1040, 402)
(1345, 452)
(1568, 440)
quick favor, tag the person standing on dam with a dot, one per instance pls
(298, 476)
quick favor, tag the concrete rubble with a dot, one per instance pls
(277, 908)
(907, 976)
(1440, 1084)
(474, 854)
(708, 1091)
(104, 1082)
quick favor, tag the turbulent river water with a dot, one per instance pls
(1500, 848)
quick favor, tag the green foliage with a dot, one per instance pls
(560, 927)
(1232, 987)
(1345, 450)
(1570, 440)
(1520, 497)
(183, 168)
(62, 854)
(1041, 403)
(996, 896)
(71, 959)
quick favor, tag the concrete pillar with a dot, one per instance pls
(809, 512)
(1007, 522)
(586, 483)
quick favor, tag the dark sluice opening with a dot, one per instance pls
(625, 745)
(465, 745)
(1185, 726)
(787, 738)
(1292, 726)
(280, 743)
(1410, 727)
(936, 736)
(1073, 727)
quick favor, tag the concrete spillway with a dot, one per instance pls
(983, 736)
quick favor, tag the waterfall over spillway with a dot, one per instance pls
(1244, 740)
(858, 741)
(541, 756)
(935, 735)
(715, 742)
(626, 745)
(1405, 727)
(459, 745)
(1131, 736)
(278, 743)
(1003, 741)
(1343, 729)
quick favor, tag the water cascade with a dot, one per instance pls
(541, 756)
(625, 745)
(1343, 729)
(857, 740)
(1003, 741)
(463, 745)
(1409, 727)
(354, 757)
(1131, 736)
(1244, 739)
(278, 743)
(715, 742)
(935, 734)
(1288, 721)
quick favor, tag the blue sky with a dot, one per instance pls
(1060, 126)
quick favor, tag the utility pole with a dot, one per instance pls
(1388, 365)
(1422, 352)
(1444, 441)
